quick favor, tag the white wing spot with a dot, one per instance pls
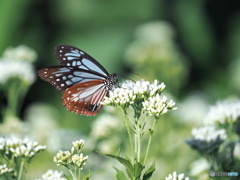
(51, 76)
(62, 47)
(64, 78)
(57, 79)
(64, 59)
(68, 64)
(62, 84)
(45, 72)
(68, 82)
(70, 76)
(60, 51)
(78, 63)
(81, 52)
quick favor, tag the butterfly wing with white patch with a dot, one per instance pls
(74, 57)
(63, 78)
(85, 98)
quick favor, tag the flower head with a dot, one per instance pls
(20, 148)
(62, 158)
(4, 169)
(21, 52)
(157, 105)
(176, 176)
(21, 70)
(141, 95)
(73, 159)
(53, 175)
(78, 144)
(223, 112)
(207, 139)
(79, 160)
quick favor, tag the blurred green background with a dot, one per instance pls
(192, 46)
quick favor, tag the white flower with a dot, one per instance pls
(62, 157)
(157, 105)
(22, 148)
(223, 112)
(208, 134)
(78, 144)
(53, 175)
(176, 176)
(207, 140)
(16, 69)
(21, 52)
(4, 169)
(79, 160)
(130, 92)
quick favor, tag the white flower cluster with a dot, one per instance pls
(78, 144)
(16, 63)
(4, 169)
(208, 134)
(157, 105)
(130, 92)
(176, 176)
(141, 94)
(72, 159)
(79, 160)
(21, 52)
(52, 175)
(223, 112)
(20, 148)
(16, 69)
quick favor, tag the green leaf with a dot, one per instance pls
(120, 175)
(125, 162)
(87, 176)
(148, 174)
(138, 169)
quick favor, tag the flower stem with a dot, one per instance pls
(149, 140)
(126, 121)
(73, 174)
(20, 171)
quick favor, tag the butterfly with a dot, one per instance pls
(82, 80)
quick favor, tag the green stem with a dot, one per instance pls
(73, 174)
(137, 140)
(149, 140)
(126, 121)
(20, 171)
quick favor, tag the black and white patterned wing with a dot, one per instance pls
(71, 56)
(63, 78)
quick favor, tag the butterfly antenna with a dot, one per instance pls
(127, 77)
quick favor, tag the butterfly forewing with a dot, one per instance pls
(74, 57)
(83, 81)
(85, 98)
(64, 77)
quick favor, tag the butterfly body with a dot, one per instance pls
(83, 81)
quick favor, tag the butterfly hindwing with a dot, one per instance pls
(85, 98)
(74, 57)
